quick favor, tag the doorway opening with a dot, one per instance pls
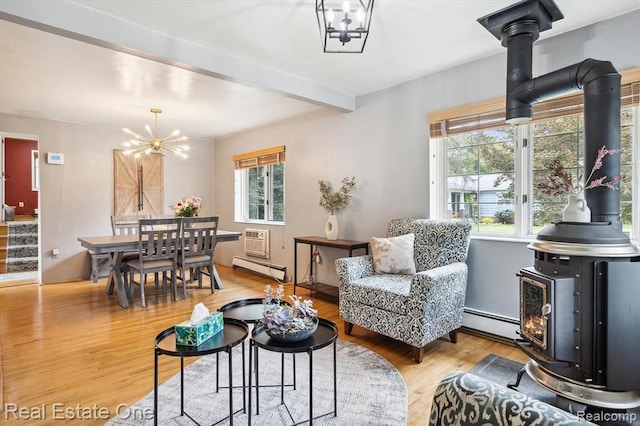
(20, 227)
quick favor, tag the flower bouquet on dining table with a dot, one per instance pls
(188, 207)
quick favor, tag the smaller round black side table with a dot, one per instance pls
(247, 310)
(234, 333)
(325, 335)
(251, 311)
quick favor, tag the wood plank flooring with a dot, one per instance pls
(72, 344)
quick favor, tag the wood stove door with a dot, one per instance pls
(535, 308)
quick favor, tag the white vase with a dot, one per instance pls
(576, 210)
(331, 227)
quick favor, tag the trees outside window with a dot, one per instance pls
(260, 194)
(563, 138)
(480, 170)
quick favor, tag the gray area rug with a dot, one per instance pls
(503, 371)
(370, 391)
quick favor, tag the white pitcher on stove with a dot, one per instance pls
(576, 210)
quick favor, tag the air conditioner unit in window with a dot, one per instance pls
(256, 242)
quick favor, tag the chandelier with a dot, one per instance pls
(141, 145)
(348, 34)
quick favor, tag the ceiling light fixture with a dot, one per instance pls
(142, 146)
(343, 37)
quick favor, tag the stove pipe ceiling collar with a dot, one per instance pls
(517, 27)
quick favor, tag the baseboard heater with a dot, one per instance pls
(490, 323)
(260, 267)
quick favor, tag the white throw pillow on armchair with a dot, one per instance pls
(393, 255)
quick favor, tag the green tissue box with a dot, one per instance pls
(193, 335)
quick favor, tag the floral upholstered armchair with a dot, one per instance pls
(412, 287)
(465, 399)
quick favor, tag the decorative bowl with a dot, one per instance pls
(297, 336)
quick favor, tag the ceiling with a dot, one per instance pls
(224, 66)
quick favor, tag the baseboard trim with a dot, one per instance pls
(487, 324)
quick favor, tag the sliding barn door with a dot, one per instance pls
(138, 184)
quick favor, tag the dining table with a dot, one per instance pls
(117, 245)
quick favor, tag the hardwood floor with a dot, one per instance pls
(72, 344)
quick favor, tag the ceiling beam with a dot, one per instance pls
(78, 22)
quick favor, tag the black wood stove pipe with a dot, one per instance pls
(601, 85)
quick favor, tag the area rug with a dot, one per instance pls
(370, 391)
(503, 371)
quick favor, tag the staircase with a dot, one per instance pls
(21, 247)
(4, 230)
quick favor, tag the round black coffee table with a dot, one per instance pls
(325, 335)
(234, 333)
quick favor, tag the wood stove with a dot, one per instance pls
(579, 312)
(580, 302)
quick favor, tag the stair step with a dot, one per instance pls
(22, 240)
(22, 264)
(30, 250)
(16, 228)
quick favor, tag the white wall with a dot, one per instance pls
(76, 199)
(384, 143)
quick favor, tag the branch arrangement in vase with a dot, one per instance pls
(331, 201)
(562, 182)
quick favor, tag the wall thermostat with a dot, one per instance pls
(55, 158)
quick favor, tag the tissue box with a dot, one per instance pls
(193, 335)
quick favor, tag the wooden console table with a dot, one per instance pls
(314, 242)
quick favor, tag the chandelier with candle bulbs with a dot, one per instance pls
(344, 25)
(141, 145)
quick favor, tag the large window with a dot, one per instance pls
(259, 186)
(492, 170)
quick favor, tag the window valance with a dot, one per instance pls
(263, 157)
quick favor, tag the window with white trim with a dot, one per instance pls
(490, 169)
(260, 186)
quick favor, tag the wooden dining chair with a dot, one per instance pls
(198, 246)
(127, 225)
(120, 225)
(158, 244)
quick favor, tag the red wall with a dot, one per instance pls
(18, 175)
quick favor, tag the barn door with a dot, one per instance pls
(138, 184)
